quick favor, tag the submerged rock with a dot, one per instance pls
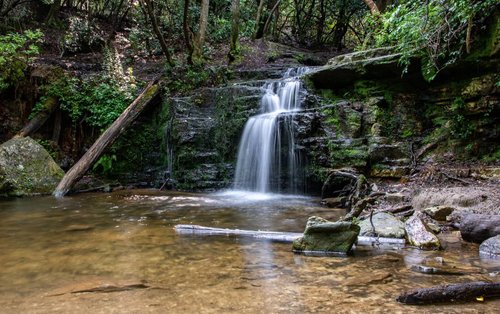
(419, 235)
(26, 168)
(477, 228)
(386, 225)
(491, 247)
(326, 236)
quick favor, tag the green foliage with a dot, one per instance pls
(17, 50)
(436, 32)
(96, 100)
(186, 78)
(83, 35)
(492, 157)
(50, 147)
(460, 126)
(105, 164)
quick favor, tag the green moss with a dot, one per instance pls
(492, 157)
(347, 155)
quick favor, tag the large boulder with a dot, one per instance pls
(386, 225)
(26, 168)
(491, 247)
(477, 228)
(326, 236)
(419, 234)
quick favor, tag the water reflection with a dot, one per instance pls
(50, 244)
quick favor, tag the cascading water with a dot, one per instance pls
(261, 159)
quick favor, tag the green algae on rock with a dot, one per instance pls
(322, 235)
(26, 168)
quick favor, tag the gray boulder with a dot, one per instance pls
(439, 212)
(386, 225)
(419, 234)
(490, 247)
(26, 168)
(477, 228)
(326, 236)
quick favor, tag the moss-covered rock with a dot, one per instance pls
(326, 236)
(26, 168)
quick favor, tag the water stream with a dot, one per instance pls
(50, 246)
(267, 159)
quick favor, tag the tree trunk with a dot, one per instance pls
(269, 18)
(53, 12)
(156, 29)
(107, 138)
(257, 33)
(188, 34)
(235, 23)
(373, 7)
(468, 291)
(50, 105)
(199, 40)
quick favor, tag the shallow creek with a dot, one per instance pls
(53, 247)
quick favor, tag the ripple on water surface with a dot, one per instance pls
(48, 245)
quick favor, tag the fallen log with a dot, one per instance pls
(51, 104)
(284, 237)
(268, 235)
(151, 91)
(467, 291)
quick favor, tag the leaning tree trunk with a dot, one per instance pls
(156, 29)
(270, 17)
(107, 138)
(199, 40)
(51, 104)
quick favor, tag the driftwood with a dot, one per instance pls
(286, 237)
(467, 291)
(51, 104)
(107, 138)
(268, 235)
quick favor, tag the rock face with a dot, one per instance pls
(357, 112)
(326, 236)
(477, 228)
(419, 235)
(26, 168)
(203, 132)
(386, 225)
(491, 247)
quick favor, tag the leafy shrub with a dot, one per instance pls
(16, 52)
(82, 36)
(96, 100)
(435, 31)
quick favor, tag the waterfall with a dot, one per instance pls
(267, 147)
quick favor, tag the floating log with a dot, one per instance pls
(467, 291)
(285, 237)
(50, 105)
(151, 91)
